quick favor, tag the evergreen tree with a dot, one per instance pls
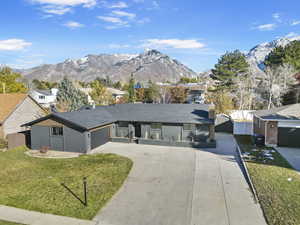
(151, 92)
(230, 66)
(290, 54)
(131, 90)
(276, 57)
(69, 98)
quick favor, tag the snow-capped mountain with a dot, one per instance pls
(257, 55)
(150, 65)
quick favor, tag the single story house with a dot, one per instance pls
(280, 126)
(156, 124)
(15, 110)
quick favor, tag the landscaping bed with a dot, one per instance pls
(35, 183)
(276, 183)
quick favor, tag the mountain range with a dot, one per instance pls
(149, 65)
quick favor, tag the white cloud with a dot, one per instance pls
(155, 5)
(85, 3)
(111, 19)
(73, 25)
(144, 20)
(277, 17)
(13, 44)
(295, 22)
(118, 5)
(266, 27)
(57, 10)
(118, 46)
(123, 14)
(291, 34)
(173, 43)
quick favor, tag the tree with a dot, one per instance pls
(178, 94)
(165, 95)
(229, 66)
(151, 93)
(185, 80)
(290, 54)
(44, 85)
(140, 94)
(69, 98)
(131, 90)
(278, 82)
(117, 85)
(10, 81)
(222, 100)
(100, 94)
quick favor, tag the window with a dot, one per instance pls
(57, 131)
(155, 125)
(187, 126)
(42, 97)
(123, 124)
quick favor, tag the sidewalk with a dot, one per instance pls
(36, 218)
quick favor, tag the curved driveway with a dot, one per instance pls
(181, 186)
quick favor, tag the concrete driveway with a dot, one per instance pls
(292, 155)
(181, 186)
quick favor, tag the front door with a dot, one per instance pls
(138, 132)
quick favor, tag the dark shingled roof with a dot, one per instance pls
(164, 113)
(287, 112)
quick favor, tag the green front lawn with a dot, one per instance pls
(35, 183)
(276, 183)
(8, 223)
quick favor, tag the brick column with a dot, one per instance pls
(212, 116)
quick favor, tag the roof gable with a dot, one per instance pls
(8, 103)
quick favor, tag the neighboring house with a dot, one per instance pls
(87, 91)
(157, 124)
(280, 126)
(15, 110)
(46, 98)
(195, 97)
(242, 122)
(117, 94)
(223, 124)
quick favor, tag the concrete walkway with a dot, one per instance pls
(35, 218)
(181, 186)
(292, 155)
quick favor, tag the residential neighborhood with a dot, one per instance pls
(149, 112)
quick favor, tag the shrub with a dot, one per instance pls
(3, 143)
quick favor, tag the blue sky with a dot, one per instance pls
(195, 32)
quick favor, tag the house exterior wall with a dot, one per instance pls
(27, 111)
(271, 133)
(40, 137)
(168, 132)
(71, 141)
(1, 132)
(258, 126)
(75, 141)
(46, 100)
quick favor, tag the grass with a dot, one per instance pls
(8, 223)
(35, 183)
(276, 183)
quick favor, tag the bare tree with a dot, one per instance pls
(277, 83)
